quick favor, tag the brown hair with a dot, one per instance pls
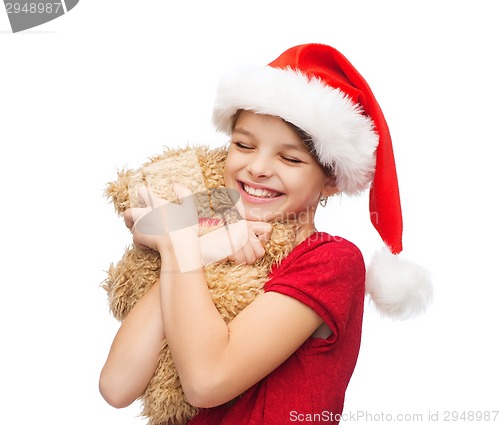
(308, 141)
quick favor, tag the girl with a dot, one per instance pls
(302, 129)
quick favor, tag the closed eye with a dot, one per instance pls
(242, 145)
(292, 160)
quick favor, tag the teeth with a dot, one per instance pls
(260, 193)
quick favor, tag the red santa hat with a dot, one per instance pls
(316, 88)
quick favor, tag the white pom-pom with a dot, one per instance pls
(399, 288)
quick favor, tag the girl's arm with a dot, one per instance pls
(133, 356)
(217, 362)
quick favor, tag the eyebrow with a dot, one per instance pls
(300, 147)
(243, 131)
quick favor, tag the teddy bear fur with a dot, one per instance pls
(232, 287)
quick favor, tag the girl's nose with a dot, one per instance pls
(259, 167)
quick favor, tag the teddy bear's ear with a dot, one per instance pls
(212, 165)
(117, 192)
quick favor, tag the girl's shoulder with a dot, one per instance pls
(322, 244)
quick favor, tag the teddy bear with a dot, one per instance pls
(232, 286)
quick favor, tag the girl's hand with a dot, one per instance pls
(248, 243)
(241, 242)
(154, 224)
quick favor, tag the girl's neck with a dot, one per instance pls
(303, 232)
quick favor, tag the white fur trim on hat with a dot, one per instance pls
(343, 135)
(399, 288)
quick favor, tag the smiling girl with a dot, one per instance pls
(274, 173)
(302, 129)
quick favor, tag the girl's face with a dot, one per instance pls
(271, 173)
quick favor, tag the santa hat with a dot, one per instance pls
(317, 89)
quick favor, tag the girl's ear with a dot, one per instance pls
(330, 187)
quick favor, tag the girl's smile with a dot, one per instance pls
(253, 192)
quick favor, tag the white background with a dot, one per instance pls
(112, 82)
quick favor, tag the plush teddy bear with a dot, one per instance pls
(232, 286)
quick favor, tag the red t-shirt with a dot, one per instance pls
(327, 274)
